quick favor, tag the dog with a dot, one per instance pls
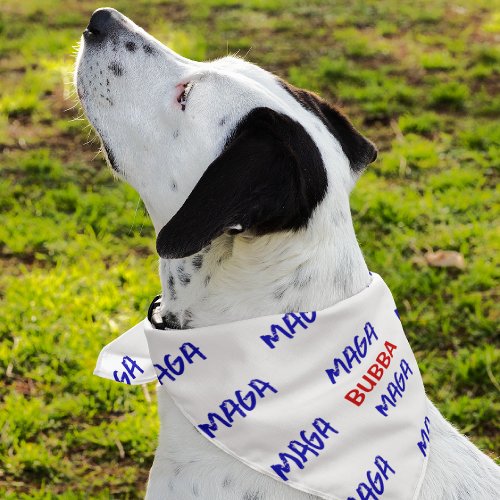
(247, 181)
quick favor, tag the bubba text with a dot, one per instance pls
(372, 376)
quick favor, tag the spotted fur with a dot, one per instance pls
(153, 130)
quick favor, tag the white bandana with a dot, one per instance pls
(330, 402)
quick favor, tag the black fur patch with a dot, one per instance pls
(269, 178)
(171, 287)
(131, 46)
(148, 49)
(184, 277)
(252, 495)
(187, 318)
(197, 262)
(171, 321)
(359, 150)
(116, 68)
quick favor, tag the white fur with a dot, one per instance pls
(155, 145)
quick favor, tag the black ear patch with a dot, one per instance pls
(269, 178)
(358, 149)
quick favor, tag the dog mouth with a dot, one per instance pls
(108, 153)
(184, 89)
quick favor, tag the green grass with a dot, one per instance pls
(77, 256)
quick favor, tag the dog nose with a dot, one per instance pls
(102, 23)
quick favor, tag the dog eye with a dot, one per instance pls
(182, 99)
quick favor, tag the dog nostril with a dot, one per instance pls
(93, 30)
(100, 24)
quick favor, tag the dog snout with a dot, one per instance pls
(103, 23)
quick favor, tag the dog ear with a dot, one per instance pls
(358, 149)
(269, 178)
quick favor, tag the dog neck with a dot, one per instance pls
(245, 276)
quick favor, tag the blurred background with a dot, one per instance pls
(77, 259)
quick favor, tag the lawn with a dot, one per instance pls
(77, 259)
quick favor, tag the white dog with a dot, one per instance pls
(247, 182)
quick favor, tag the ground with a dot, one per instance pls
(77, 260)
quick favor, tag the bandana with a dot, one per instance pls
(329, 402)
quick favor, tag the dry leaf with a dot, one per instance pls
(445, 258)
(419, 260)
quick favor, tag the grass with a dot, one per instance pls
(77, 253)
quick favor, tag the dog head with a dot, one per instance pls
(212, 147)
